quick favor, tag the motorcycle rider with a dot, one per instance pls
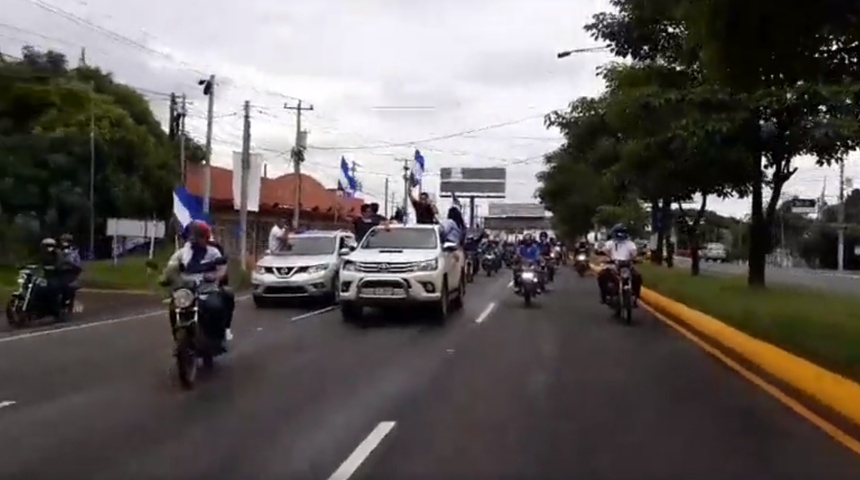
(70, 268)
(527, 252)
(229, 295)
(198, 256)
(619, 248)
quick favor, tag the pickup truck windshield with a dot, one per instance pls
(402, 238)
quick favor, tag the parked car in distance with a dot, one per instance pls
(713, 252)
(309, 268)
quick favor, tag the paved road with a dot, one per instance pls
(555, 392)
(826, 279)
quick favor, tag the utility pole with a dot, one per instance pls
(840, 251)
(182, 163)
(386, 199)
(92, 171)
(243, 202)
(298, 155)
(208, 85)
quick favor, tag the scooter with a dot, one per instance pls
(580, 264)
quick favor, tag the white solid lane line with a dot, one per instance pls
(99, 323)
(486, 313)
(7, 403)
(311, 314)
(360, 454)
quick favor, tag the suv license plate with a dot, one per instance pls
(383, 292)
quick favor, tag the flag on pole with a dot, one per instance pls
(346, 183)
(456, 201)
(417, 172)
(187, 207)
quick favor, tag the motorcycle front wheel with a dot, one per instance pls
(13, 317)
(627, 307)
(186, 360)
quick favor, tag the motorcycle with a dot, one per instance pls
(472, 266)
(581, 264)
(621, 300)
(192, 346)
(549, 267)
(30, 302)
(529, 280)
(489, 263)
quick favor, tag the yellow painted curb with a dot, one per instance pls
(831, 389)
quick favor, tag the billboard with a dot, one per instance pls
(531, 210)
(473, 182)
(803, 206)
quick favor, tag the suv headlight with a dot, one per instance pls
(183, 298)
(428, 266)
(318, 268)
(348, 266)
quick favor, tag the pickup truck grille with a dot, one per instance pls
(384, 267)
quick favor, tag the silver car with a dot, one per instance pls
(307, 269)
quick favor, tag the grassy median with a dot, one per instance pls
(819, 326)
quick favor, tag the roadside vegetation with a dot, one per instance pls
(710, 100)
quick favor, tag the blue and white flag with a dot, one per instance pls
(346, 183)
(417, 169)
(187, 207)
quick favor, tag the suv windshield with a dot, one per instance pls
(402, 238)
(315, 245)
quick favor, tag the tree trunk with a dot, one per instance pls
(666, 222)
(695, 267)
(694, 235)
(657, 253)
(759, 235)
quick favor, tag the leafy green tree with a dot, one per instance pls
(46, 113)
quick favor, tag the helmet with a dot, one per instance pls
(543, 235)
(198, 229)
(620, 232)
(528, 238)
(67, 238)
(48, 243)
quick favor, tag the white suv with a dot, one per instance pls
(402, 265)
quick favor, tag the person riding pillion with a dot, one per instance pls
(199, 257)
(619, 248)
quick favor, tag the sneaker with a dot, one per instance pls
(228, 335)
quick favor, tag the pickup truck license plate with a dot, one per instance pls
(383, 292)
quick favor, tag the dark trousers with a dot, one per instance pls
(229, 305)
(607, 277)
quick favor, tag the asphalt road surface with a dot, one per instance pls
(558, 391)
(847, 282)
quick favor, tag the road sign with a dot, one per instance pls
(530, 210)
(803, 206)
(123, 227)
(473, 182)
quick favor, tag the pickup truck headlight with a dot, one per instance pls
(348, 266)
(428, 266)
(318, 268)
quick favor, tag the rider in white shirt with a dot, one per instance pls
(619, 249)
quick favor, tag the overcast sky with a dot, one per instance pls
(376, 71)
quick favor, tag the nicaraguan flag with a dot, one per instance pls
(187, 207)
(417, 169)
(346, 183)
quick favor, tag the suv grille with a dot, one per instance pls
(383, 267)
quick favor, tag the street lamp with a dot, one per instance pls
(567, 53)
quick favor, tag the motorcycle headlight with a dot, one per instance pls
(625, 273)
(183, 298)
(527, 276)
(428, 266)
(22, 278)
(348, 266)
(318, 268)
(581, 258)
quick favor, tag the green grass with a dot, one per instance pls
(820, 326)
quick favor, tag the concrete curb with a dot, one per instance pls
(828, 388)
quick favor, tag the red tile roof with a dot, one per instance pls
(279, 191)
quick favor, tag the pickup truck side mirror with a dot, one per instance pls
(345, 251)
(449, 246)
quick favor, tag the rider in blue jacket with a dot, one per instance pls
(528, 251)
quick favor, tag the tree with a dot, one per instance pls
(45, 114)
(776, 108)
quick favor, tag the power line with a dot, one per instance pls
(432, 139)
